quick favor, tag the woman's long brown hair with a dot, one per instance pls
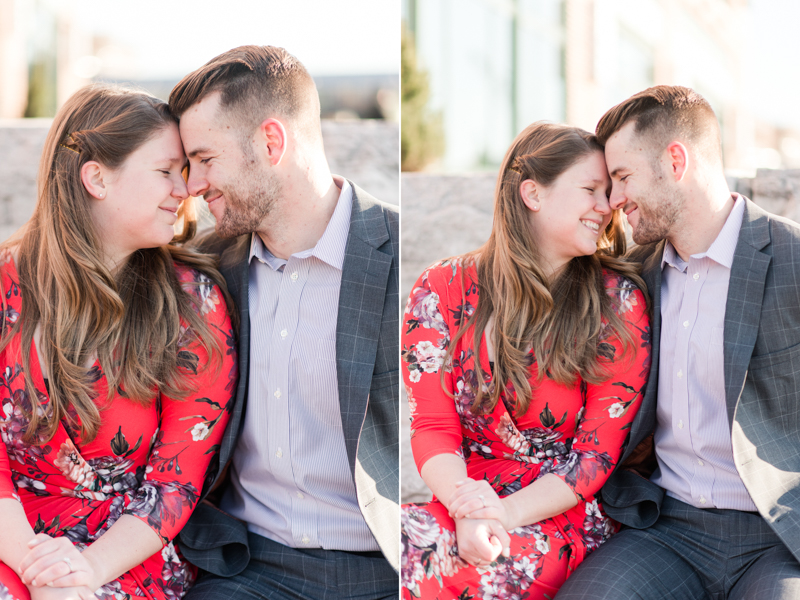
(559, 320)
(131, 319)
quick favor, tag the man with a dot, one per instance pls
(720, 515)
(311, 506)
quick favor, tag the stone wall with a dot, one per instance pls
(445, 215)
(366, 152)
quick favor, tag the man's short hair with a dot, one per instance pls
(255, 83)
(665, 113)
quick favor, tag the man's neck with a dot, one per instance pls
(301, 217)
(701, 223)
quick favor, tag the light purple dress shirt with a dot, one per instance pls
(693, 436)
(291, 480)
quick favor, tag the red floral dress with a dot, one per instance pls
(576, 433)
(147, 462)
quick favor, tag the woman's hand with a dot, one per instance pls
(477, 500)
(55, 562)
(481, 541)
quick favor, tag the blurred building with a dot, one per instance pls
(342, 97)
(498, 65)
(13, 60)
(42, 56)
(45, 56)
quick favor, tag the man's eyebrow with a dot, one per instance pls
(616, 171)
(197, 151)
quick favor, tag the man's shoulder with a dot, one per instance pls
(785, 228)
(774, 234)
(367, 200)
(375, 217)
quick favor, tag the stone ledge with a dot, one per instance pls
(366, 152)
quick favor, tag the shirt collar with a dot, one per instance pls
(722, 249)
(330, 247)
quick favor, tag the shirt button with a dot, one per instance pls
(294, 276)
(696, 276)
(305, 539)
(300, 495)
(685, 324)
(700, 462)
(702, 499)
(284, 333)
(680, 374)
(680, 424)
(277, 393)
(279, 453)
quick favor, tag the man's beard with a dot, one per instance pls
(657, 217)
(248, 201)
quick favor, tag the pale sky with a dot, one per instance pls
(172, 37)
(169, 38)
(774, 54)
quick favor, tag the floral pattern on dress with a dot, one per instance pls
(5, 593)
(147, 462)
(576, 433)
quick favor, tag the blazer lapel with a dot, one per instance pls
(645, 420)
(745, 294)
(365, 274)
(234, 267)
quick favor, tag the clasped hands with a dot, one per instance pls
(482, 522)
(55, 569)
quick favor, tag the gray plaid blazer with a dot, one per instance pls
(762, 378)
(367, 359)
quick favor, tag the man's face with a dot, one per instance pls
(641, 187)
(238, 186)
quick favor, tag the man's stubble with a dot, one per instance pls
(250, 197)
(660, 214)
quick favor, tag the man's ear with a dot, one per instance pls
(677, 160)
(529, 190)
(92, 177)
(273, 137)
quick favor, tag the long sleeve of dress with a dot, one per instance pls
(190, 429)
(609, 407)
(7, 487)
(436, 427)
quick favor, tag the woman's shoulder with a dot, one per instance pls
(200, 286)
(624, 292)
(9, 278)
(453, 272)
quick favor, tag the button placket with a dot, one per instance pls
(285, 314)
(681, 382)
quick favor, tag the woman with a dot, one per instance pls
(117, 361)
(524, 366)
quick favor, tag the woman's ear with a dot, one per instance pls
(92, 178)
(530, 194)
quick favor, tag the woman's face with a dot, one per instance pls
(573, 212)
(140, 205)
